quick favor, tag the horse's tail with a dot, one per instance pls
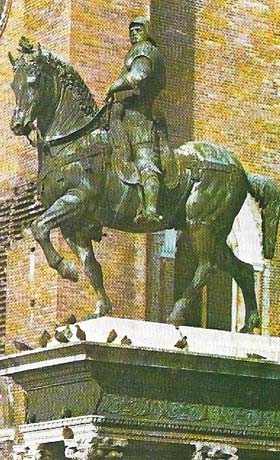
(267, 194)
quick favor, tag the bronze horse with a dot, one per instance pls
(81, 193)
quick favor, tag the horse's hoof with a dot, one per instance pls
(103, 308)
(68, 270)
(251, 323)
(92, 315)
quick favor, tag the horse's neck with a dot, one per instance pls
(48, 103)
(69, 115)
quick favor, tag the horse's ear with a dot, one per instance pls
(12, 59)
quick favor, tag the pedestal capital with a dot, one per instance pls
(99, 448)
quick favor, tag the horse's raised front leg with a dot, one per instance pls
(81, 244)
(66, 208)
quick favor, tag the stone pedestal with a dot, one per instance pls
(150, 399)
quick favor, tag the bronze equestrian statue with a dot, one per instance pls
(82, 191)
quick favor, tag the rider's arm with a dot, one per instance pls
(141, 69)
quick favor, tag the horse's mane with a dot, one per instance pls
(68, 76)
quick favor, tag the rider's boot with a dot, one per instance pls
(150, 182)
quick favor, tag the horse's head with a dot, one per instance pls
(27, 88)
(50, 91)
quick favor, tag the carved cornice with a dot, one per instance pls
(191, 427)
(143, 430)
(60, 423)
(138, 357)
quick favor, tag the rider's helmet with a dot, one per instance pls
(143, 21)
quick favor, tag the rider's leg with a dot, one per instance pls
(150, 183)
(147, 161)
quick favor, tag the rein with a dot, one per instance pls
(76, 134)
(72, 136)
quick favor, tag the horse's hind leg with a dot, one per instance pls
(243, 273)
(81, 244)
(202, 245)
(65, 208)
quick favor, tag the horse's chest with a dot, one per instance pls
(59, 178)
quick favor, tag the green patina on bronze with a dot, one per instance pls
(89, 177)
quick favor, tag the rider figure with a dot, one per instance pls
(141, 80)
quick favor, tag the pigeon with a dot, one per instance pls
(67, 433)
(71, 320)
(112, 336)
(21, 346)
(255, 356)
(44, 339)
(182, 343)
(66, 413)
(67, 331)
(80, 334)
(60, 337)
(126, 341)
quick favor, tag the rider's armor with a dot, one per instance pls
(135, 137)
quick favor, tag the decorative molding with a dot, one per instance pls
(182, 415)
(85, 427)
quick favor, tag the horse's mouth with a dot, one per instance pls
(20, 130)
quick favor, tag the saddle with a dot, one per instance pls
(127, 170)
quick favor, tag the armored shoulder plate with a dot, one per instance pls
(151, 52)
(143, 49)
